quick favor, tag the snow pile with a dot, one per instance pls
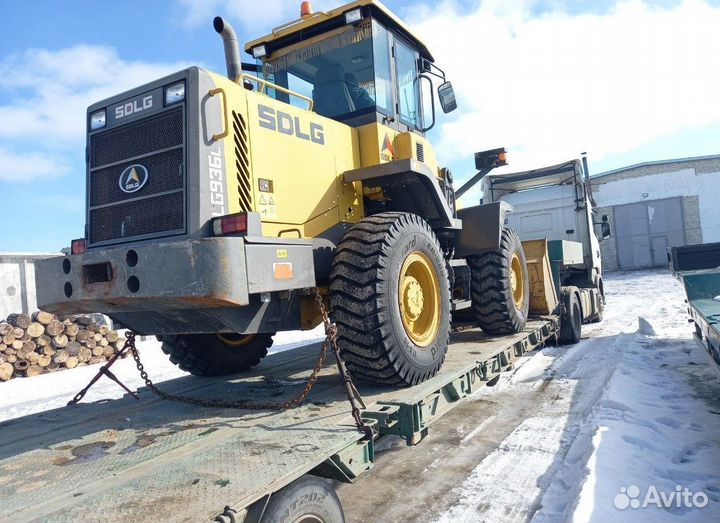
(644, 327)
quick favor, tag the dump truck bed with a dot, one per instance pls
(159, 460)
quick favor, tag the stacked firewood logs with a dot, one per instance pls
(32, 345)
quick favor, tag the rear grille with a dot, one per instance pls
(158, 207)
(138, 218)
(142, 137)
(242, 163)
(165, 174)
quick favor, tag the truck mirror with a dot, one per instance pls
(605, 227)
(446, 94)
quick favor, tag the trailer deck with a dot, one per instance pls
(150, 460)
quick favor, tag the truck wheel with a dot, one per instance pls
(500, 287)
(599, 316)
(390, 299)
(307, 500)
(216, 354)
(601, 289)
(571, 320)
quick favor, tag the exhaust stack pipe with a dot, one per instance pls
(588, 185)
(231, 45)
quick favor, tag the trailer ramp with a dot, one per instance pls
(157, 460)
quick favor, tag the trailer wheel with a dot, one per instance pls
(500, 287)
(307, 500)
(390, 299)
(216, 354)
(571, 319)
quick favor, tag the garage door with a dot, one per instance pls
(645, 230)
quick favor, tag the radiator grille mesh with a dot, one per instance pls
(138, 218)
(158, 207)
(137, 138)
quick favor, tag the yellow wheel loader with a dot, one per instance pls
(215, 204)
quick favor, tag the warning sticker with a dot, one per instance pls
(267, 207)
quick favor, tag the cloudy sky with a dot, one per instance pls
(626, 81)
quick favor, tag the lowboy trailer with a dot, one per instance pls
(155, 460)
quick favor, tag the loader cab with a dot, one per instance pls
(358, 64)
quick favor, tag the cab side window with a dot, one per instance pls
(383, 70)
(406, 63)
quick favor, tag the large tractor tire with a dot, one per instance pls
(216, 354)
(390, 299)
(500, 287)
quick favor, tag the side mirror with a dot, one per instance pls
(446, 94)
(605, 227)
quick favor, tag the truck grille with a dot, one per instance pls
(158, 208)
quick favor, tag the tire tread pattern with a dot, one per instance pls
(207, 355)
(358, 301)
(490, 290)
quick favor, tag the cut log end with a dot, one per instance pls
(21, 321)
(54, 328)
(6, 371)
(43, 317)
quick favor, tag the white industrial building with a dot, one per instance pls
(655, 205)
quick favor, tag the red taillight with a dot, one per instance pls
(230, 224)
(78, 246)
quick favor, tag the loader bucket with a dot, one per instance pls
(543, 296)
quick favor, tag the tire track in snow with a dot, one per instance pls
(509, 483)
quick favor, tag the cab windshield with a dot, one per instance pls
(346, 73)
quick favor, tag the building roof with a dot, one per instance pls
(284, 33)
(656, 162)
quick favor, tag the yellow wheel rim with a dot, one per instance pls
(419, 297)
(238, 341)
(517, 282)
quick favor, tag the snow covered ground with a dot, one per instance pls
(622, 409)
(628, 417)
